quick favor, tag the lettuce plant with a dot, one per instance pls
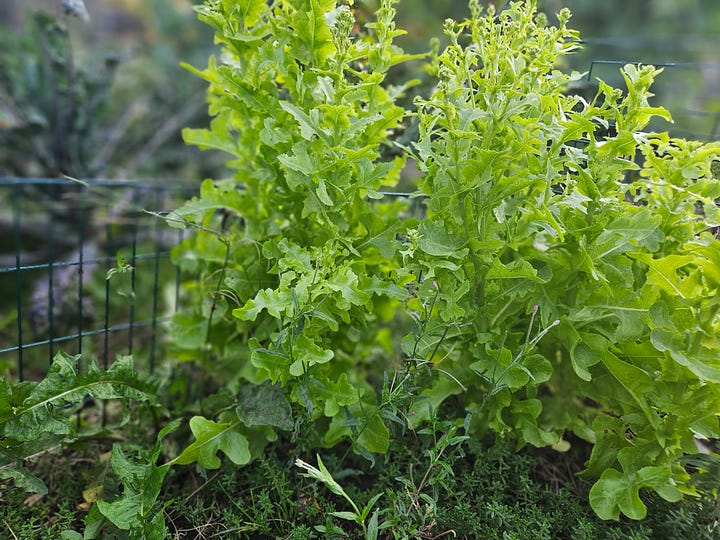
(560, 276)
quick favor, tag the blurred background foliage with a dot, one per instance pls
(106, 96)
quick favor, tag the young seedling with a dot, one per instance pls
(370, 530)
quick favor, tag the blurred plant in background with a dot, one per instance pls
(103, 96)
(51, 110)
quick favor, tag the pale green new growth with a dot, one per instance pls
(370, 531)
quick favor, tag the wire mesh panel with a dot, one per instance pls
(689, 86)
(84, 268)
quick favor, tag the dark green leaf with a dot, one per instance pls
(264, 405)
(212, 437)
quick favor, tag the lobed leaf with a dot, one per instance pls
(211, 438)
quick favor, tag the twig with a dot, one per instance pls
(132, 113)
(164, 132)
(207, 482)
(10, 529)
(31, 456)
(449, 531)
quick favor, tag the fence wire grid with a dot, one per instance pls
(84, 267)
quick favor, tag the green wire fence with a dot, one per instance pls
(703, 125)
(84, 266)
